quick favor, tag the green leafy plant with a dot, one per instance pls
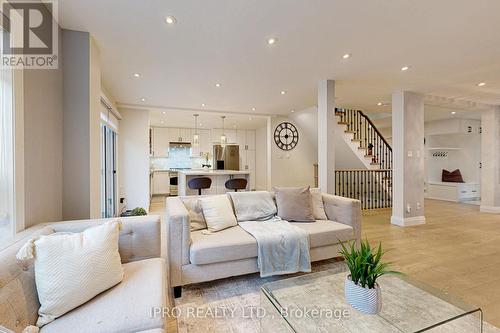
(364, 264)
(138, 211)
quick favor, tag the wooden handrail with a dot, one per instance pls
(375, 128)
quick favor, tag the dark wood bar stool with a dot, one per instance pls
(200, 183)
(236, 184)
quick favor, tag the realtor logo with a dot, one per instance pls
(30, 34)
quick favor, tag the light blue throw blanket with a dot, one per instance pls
(282, 247)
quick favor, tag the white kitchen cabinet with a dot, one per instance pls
(161, 182)
(185, 135)
(247, 163)
(230, 134)
(245, 139)
(205, 141)
(161, 139)
(174, 134)
(250, 142)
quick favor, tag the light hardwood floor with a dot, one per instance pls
(457, 250)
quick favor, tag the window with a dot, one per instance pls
(7, 226)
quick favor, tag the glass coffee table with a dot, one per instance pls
(315, 303)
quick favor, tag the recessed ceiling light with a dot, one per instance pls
(283, 92)
(405, 68)
(137, 75)
(292, 111)
(217, 85)
(253, 109)
(162, 122)
(163, 112)
(346, 56)
(200, 124)
(143, 99)
(481, 84)
(272, 41)
(453, 112)
(203, 104)
(170, 19)
(379, 103)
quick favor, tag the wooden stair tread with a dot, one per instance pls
(343, 123)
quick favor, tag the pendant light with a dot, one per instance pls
(223, 137)
(196, 136)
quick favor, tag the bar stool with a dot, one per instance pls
(200, 183)
(236, 184)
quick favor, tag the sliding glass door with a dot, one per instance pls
(108, 171)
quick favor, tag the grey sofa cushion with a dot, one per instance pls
(322, 233)
(235, 243)
(123, 308)
(229, 244)
(294, 204)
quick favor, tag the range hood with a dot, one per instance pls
(180, 145)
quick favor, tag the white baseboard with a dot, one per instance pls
(489, 209)
(408, 221)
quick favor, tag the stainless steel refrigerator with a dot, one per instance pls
(227, 157)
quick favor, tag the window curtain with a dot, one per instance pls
(6, 155)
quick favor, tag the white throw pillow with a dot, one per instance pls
(218, 212)
(318, 207)
(253, 206)
(72, 268)
(196, 219)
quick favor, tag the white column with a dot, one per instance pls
(326, 126)
(269, 166)
(408, 159)
(490, 159)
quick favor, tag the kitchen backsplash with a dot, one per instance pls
(177, 158)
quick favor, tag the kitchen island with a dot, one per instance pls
(219, 178)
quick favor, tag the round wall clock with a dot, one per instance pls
(286, 136)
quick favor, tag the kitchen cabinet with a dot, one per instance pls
(247, 163)
(245, 139)
(205, 143)
(174, 134)
(160, 141)
(230, 134)
(161, 182)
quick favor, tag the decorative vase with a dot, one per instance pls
(365, 300)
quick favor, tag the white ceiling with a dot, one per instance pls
(450, 46)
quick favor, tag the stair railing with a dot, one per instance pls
(372, 187)
(376, 147)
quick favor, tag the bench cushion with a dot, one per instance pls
(235, 243)
(324, 232)
(124, 308)
(230, 244)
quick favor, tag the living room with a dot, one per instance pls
(249, 167)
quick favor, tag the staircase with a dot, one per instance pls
(364, 167)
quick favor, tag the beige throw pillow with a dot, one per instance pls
(218, 212)
(318, 207)
(294, 204)
(196, 218)
(72, 268)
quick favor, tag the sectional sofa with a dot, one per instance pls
(125, 307)
(196, 257)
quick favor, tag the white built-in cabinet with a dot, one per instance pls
(230, 135)
(180, 134)
(205, 143)
(246, 142)
(160, 139)
(161, 182)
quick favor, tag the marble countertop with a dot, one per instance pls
(201, 172)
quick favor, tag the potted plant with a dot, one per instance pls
(362, 291)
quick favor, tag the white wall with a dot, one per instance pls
(261, 158)
(81, 129)
(133, 158)
(295, 167)
(43, 144)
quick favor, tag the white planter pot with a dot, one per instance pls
(365, 300)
